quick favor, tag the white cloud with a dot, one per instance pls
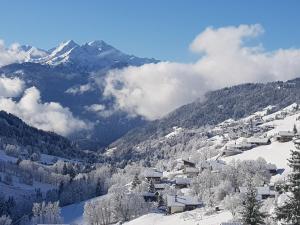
(46, 116)
(11, 87)
(95, 108)
(99, 109)
(12, 54)
(227, 58)
(80, 89)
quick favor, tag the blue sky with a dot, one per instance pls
(158, 28)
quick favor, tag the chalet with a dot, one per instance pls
(176, 204)
(229, 151)
(259, 141)
(262, 192)
(243, 146)
(188, 163)
(153, 175)
(191, 171)
(214, 165)
(182, 182)
(285, 136)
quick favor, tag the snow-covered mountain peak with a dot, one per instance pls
(100, 45)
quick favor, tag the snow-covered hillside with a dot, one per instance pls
(195, 217)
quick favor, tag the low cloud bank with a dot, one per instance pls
(228, 57)
(49, 116)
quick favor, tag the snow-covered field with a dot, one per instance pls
(276, 153)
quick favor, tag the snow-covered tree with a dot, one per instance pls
(233, 203)
(98, 212)
(127, 205)
(251, 214)
(290, 210)
(151, 187)
(5, 220)
(136, 181)
(46, 213)
(203, 186)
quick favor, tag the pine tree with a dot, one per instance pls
(295, 129)
(160, 201)
(290, 210)
(251, 214)
(136, 181)
(151, 187)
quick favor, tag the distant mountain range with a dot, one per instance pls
(91, 56)
(73, 75)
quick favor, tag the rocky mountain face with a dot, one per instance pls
(73, 75)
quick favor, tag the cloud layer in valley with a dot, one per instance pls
(227, 58)
(46, 116)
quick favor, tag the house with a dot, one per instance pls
(262, 192)
(176, 204)
(229, 151)
(259, 141)
(182, 182)
(285, 136)
(214, 165)
(153, 175)
(191, 171)
(243, 146)
(188, 163)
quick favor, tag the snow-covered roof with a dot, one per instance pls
(182, 180)
(286, 134)
(148, 194)
(161, 186)
(191, 170)
(175, 200)
(258, 140)
(265, 190)
(152, 173)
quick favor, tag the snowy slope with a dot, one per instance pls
(194, 217)
(276, 153)
(73, 214)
